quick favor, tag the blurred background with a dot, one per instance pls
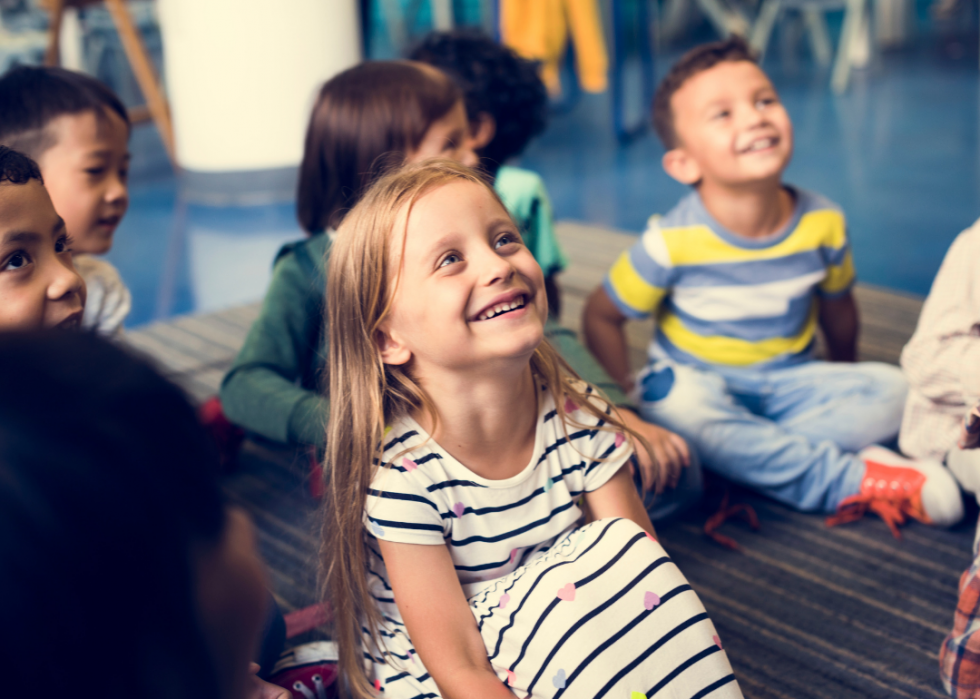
(883, 95)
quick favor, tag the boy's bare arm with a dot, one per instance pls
(602, 325)
(839, 322)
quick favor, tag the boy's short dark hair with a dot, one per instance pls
(17, 168)
(697, 60)
(32, 96)
(494, 80)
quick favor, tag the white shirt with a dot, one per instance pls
(108, 300)
(428, 497)
(942, 360)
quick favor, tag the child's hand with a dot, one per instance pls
(662, 469)
(970, 431)
(260, 689)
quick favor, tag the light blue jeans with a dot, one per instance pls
(789, 433)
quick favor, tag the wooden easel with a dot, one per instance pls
(156, 107)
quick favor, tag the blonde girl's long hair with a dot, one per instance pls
(366, 395)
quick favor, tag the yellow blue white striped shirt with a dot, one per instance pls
(723, 299)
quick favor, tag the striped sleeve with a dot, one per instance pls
(606, 452)
(399, 508)
(640, 278)
(840, 263)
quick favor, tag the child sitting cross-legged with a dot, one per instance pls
(460, 446)
(507, 106)
(77, 130)
(39, 287)
(739, 275)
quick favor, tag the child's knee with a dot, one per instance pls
(679, 389)
(619, 529)
(889, 381)
(889, 389)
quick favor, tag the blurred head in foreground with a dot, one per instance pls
(121, 567)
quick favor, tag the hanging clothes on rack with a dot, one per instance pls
(539, 30)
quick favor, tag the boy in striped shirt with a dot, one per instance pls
(739, 275)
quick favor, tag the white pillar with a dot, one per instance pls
(242, 75)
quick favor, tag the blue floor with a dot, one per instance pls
(899, 152)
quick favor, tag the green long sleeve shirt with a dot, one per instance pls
(274, 387)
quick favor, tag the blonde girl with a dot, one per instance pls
(373, 115)
(460, 445)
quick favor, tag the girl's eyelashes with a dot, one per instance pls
(507, 239)
(502, 241)
(449, 259)
(15, 261)
(63, 244)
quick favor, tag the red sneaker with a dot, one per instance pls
(308, 671)
(894, 488)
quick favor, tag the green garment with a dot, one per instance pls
(525, 197)
(273, 388)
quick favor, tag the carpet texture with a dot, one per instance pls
(803, 611)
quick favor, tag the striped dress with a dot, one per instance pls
(564, 610)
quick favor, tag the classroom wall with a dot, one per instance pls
(242, 74)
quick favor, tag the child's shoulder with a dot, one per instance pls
(108, 299)
(808, 201)
(509, 176)
(690, 210)
(95, 270)
(515, 184)
(313, 249)
(969, 238)
(965, 248)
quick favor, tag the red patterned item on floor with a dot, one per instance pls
(308, 671)
(726, 512)
(307, 619)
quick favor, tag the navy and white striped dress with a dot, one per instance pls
(564, 610)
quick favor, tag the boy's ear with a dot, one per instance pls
(392, 350)
(482, 131)
(681, 166)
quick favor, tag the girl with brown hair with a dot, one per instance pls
(460, 447)
(372, 116)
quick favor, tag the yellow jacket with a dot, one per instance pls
(538, 29)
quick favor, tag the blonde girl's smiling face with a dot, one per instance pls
(447, 137)
(39, 287)
(469, 294)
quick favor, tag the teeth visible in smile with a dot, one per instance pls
(760, 144)
(501, 308)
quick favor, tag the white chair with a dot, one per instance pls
(853, 46)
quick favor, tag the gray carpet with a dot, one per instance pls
(804, 611)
